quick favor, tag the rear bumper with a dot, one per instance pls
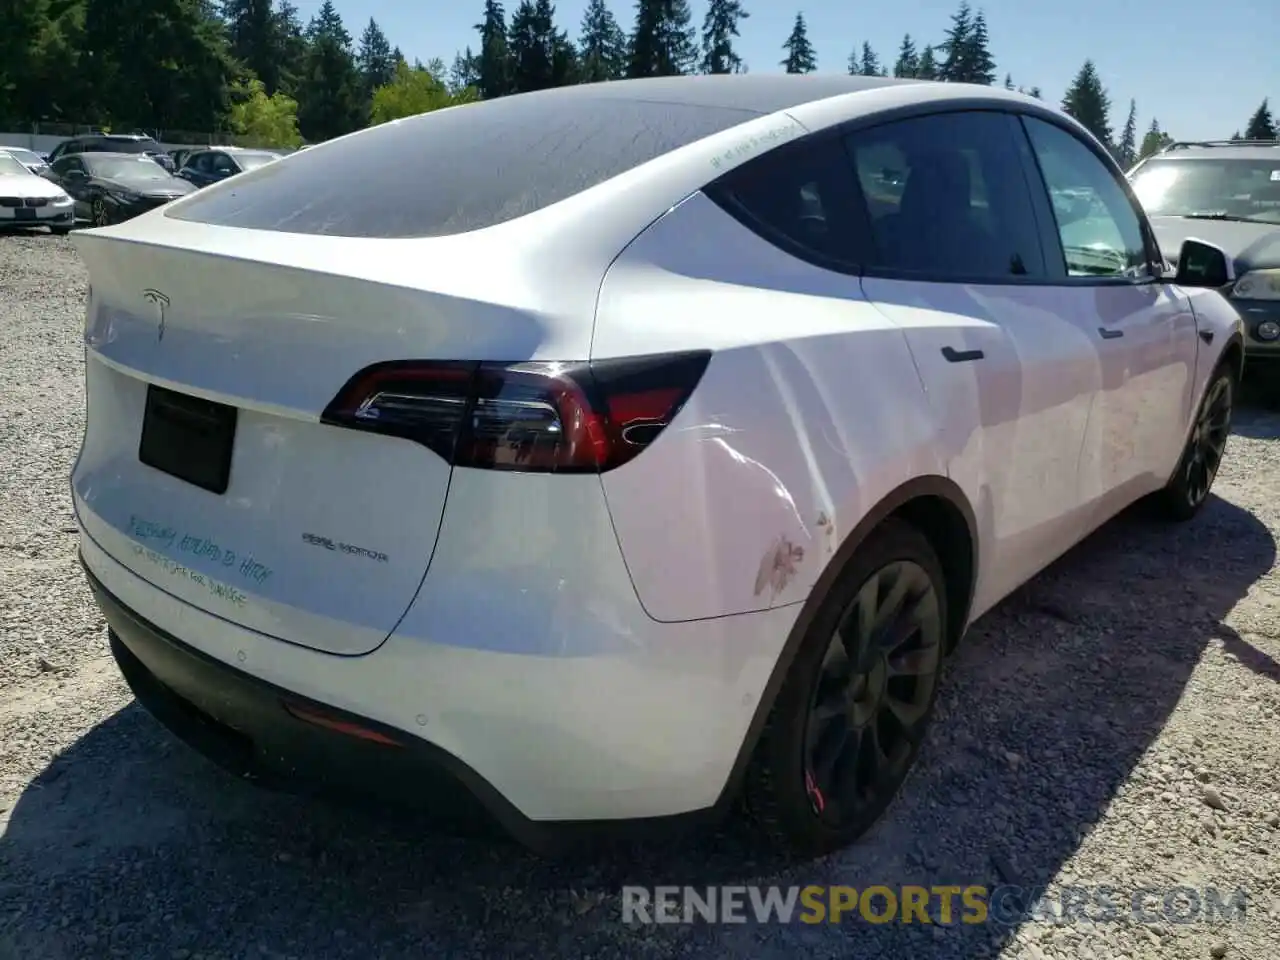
(269, 735)
(648, 735)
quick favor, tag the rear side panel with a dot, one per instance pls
(810, 412)
(322, 535)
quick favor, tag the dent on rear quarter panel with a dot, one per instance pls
(810, 412)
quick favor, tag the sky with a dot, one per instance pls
(1200, 68)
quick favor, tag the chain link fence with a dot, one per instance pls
(43, 137)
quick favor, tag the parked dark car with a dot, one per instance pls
(179, 157)
(114, 143)
(203, 167)
(111, 187)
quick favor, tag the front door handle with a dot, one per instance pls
(1206, 336)
(961, 356)
(1110, 334)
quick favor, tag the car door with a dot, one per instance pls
(221, 166)
(960, 267)
(69, 173)
(195, 169)
(1109, 282)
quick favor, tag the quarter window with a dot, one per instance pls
(1100, 231)
(946, 198)
(798, 197)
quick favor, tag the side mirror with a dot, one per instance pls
(1202, 264)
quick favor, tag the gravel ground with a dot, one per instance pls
(1113, 723)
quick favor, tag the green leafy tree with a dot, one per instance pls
(869, 63)
(602, 45)
(719, 28)
(908, 62)
(1261, 126)
(957, 45)
(663, 41)
(927, 69)
(330, 101)
(1087, 101)
(1154, 141)
(1127, 148)
(415, 90)
(494, 62)
(801, 57)
(261, 119)
(374, 58)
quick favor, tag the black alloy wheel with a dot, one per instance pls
(851, 715)
(1189, 487)
(874, 689)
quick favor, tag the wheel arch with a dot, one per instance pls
(937, 507)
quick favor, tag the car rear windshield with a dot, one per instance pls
(252, 161)
(459, 169)
(1237, 188)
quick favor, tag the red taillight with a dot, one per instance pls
(536, 416)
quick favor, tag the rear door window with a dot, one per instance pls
(946, 197)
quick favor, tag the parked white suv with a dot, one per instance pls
(659, 450)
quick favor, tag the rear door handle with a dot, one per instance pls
(961, 356)
(1110, 334)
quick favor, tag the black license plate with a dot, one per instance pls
(24, 213)
(188, 438)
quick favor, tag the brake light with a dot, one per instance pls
(534, 417)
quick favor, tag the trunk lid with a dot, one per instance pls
(322, 535)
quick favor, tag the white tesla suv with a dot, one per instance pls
(616, 450)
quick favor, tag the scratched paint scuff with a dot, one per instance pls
(778, 566)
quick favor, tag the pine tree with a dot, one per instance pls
(1087, 101)
(1008, 81)
(493, 64)
(869, 64)
(329, 95)
(602, 45)
(293, 43)
(533, 42)
(801, 57)
(374, 59)
(1261, 126)
(1035, 92)
(663, 41)
(979, 65)
(957, 45)
(1127, 148)
(927, 69)
(1154, 141)
(255, 39)
(719, 28)
(463, 73)
(908, 63)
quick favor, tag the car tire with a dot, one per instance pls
(810, 787)
(1188, 488)
(101, 218)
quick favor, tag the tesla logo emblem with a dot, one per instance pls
(161, 303)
